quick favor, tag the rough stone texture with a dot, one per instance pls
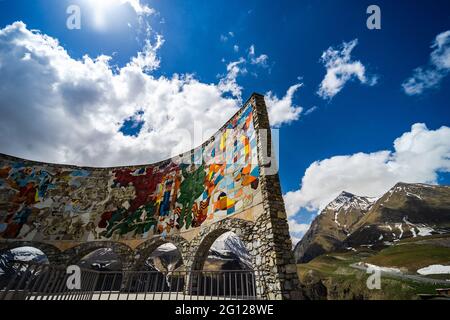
(276, 244)
(266, 237)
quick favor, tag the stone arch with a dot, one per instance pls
(145, 249)
(75, 254)
(200, 245)
(199, 250)
(52, 252)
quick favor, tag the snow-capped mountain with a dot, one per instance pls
(102, 259)
(165, 258)
(333, 225)
(22, 254)
(350, 221)
(346, 200)
(228, 252)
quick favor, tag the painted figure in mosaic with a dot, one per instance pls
(49, 202)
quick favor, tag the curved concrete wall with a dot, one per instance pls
(48, 202)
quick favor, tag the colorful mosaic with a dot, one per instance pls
(49, 202)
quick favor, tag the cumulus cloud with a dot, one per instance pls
(418, 156)
(297, 230)
(59, 109)
(283, 110)
(430, 76)
(229, 82)
(341, 69)
(147, 60)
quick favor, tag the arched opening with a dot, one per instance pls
(222, 267)
(108, 265)
(100, 256)
(227, 253)
(102, 262)
(20, 265)
(165, 270)
(165, 258)
(102, 259)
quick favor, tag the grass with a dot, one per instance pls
(345, 282)
(411, 256)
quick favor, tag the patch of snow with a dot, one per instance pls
(409, 194)
(336, 214)
(390, 194)
(434, 269)
(399, 227)
(425, 231)
(408, 190)
(167, 247)
(230, 242)
(411, 225)
(25, 254)
(381, 237)
(347, 200)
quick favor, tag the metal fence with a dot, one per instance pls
(45, 282)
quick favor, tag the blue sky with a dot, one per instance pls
(203, 37)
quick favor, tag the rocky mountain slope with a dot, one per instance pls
(350, 221)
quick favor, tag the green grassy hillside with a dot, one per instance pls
(331, 276)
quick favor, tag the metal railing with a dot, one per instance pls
(45, 282)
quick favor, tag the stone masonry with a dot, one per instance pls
(263, 229)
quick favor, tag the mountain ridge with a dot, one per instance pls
(349, 221)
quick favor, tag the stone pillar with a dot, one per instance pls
(272, 243)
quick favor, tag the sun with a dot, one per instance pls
(102, 10)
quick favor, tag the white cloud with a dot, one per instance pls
(236, 48)
(260, 60)
(138, 7)
(224, 38)
(251, 50)
(311, 110)
(341, 69)
(229, 82)
(101, 11)
(55, 108)
(297, 230)
(283, 110)
(438, 68)
(147, 60)
(58, 109)
(418, 156)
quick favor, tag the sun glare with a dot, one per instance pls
(102, 10)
